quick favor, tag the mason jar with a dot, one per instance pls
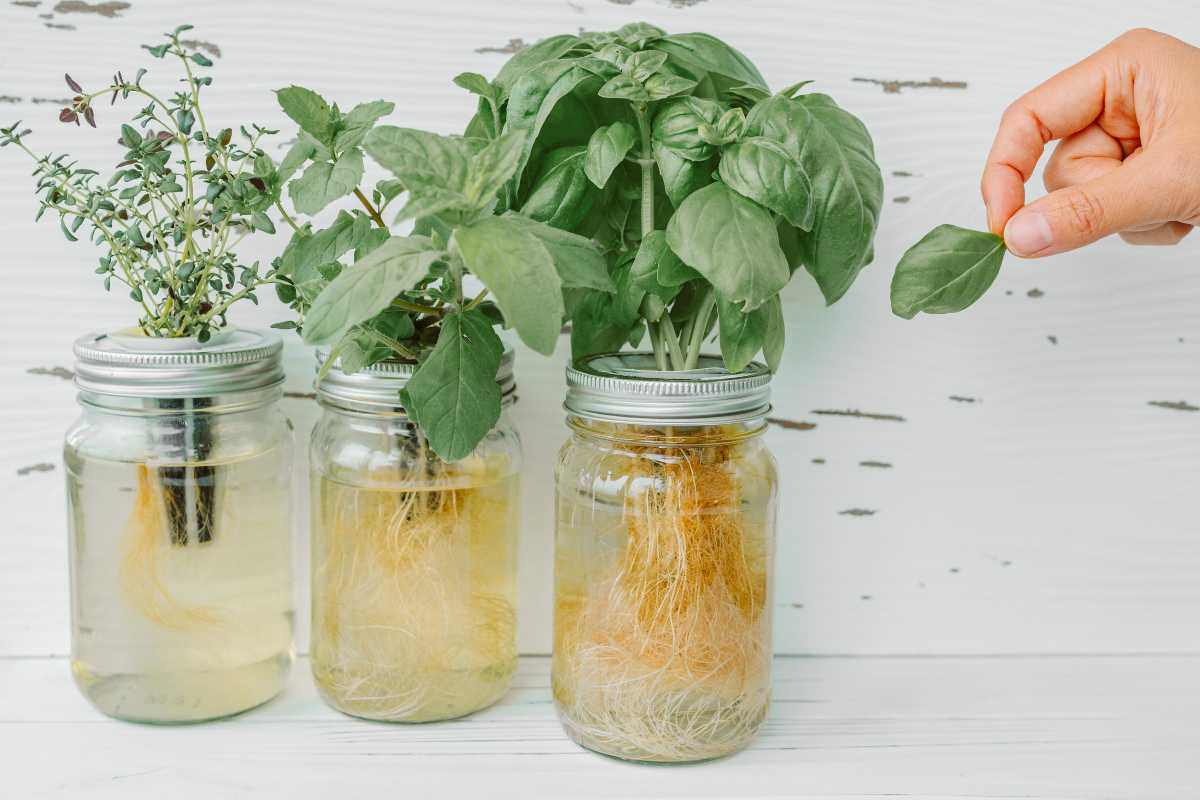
(178, 476)
(414, 559)
(665, 518)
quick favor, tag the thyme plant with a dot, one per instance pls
(170, 216)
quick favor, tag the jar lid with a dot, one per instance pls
(379, 384)
(128, 364)
(627, 387)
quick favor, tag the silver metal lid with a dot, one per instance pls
(127, 364)
(379, 385)
(627, 387)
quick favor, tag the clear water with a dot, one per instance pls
(181, 586)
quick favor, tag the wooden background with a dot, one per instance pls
(1035, 460)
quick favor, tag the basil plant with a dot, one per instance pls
(704, 191)
(370, 293)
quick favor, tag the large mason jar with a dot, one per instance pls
(663, 559)
(178, 478)
(413, 557)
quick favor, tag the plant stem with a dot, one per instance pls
(647, 164)
(699, 325)
(478, 299)
(660, 355)
(371, 210)
(416, 308)
(287, 217)
(672, 340)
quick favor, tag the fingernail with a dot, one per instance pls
(1028, 233)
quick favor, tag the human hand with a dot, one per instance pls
(1129, 160)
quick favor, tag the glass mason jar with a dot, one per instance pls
(414, 559)
(663, 559)
(178, 477)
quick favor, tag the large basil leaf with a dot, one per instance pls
(594, 328)
(948, 270)
(308, 110)
(680, 176)
(835, 151)
(607, 148)
(773, 337)
(578, 260)
(764, 171)
(708, 53)
(535, 55)
(353, 128)
(520, 274)
(742, 334)
(345, 234)
(562, 194)
(365, 289)
(676, 127)
(453, 395)
(535, 95)
(322, 182)
(420, 159)
(732, 242)
(657, 269)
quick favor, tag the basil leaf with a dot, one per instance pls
(654, 261)
(355, 126)
(594, 328)
(624, 87)
(639, 34)
(453, 395)
(773, 336)
(579, 262)
(530, 57)
(835, 151)
(680, 176)
(328, 245)
(607, 148)
(322, 182)
(535, 95)
(562, 195)
(700, 50)
(676, 126)
(627, 305)
(308, 110)
(742, 334)
(518, 271)
(732, 242)
(365, 289)
(477, 84)
(420, 159)
(948, 270)
(663, 84)
(765, 172)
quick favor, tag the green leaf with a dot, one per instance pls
(627, 305)
(520, 274)
(708, 53)
(324, 246)
(680, 176)
(420, 159)
(535, 95)
(531, 57)
(354, 127)
(773, 337)
(654, 261)
(562, 195)
(765, 172)
(261, 222)
(453, 395)
(308, 110)
(663, 84)
(639, 34)
(594, 328)
(624, 87)
(732, 242)
(365, 289)
(607, 148)
(948, 270)
(579, 262)
(494, 165)
(301, 151)
(835, 151)
(322, 182)
(202, 60)
(676, 126)
(475, 83)
(742, 334)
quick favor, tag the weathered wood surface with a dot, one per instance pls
(1041, 488)
(864, 728)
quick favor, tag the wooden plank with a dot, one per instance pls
(1053, 513)
(1049, 727)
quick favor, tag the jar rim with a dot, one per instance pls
(627, 387)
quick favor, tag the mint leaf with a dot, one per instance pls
(308, 110)
(354, 127)
(579, 261)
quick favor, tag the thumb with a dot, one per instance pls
(1139, 192)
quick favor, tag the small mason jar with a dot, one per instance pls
(178, 479)
(663, 559)
(414, 559)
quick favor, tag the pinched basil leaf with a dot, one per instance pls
(322, 182)
(607, 148)
(948, 270)
(732, 242)
(764, 171)
(578, 260)
(520, 274)
(835, 151)
(742, 334)
(453, 395)
(362, 291)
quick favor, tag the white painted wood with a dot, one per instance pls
(1048, 727)
(1055, 514)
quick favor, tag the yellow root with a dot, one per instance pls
(413, 589)
(668, 658)
(145, 549)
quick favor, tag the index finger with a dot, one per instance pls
(1063, 105)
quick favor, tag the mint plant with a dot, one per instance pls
(171, 215)
(945, 272)
(370, 293)
(704, 191)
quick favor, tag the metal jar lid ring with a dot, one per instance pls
(627, 387)
(378, 386)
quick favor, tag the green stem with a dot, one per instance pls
(287, 217)
(660, 354)
(699, 325)
(672, 341)
(478, 299)
(647, 164)
(416, 308)
(371, 210)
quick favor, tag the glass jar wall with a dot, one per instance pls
(663, 562)
(413, 558)
(178, 479)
